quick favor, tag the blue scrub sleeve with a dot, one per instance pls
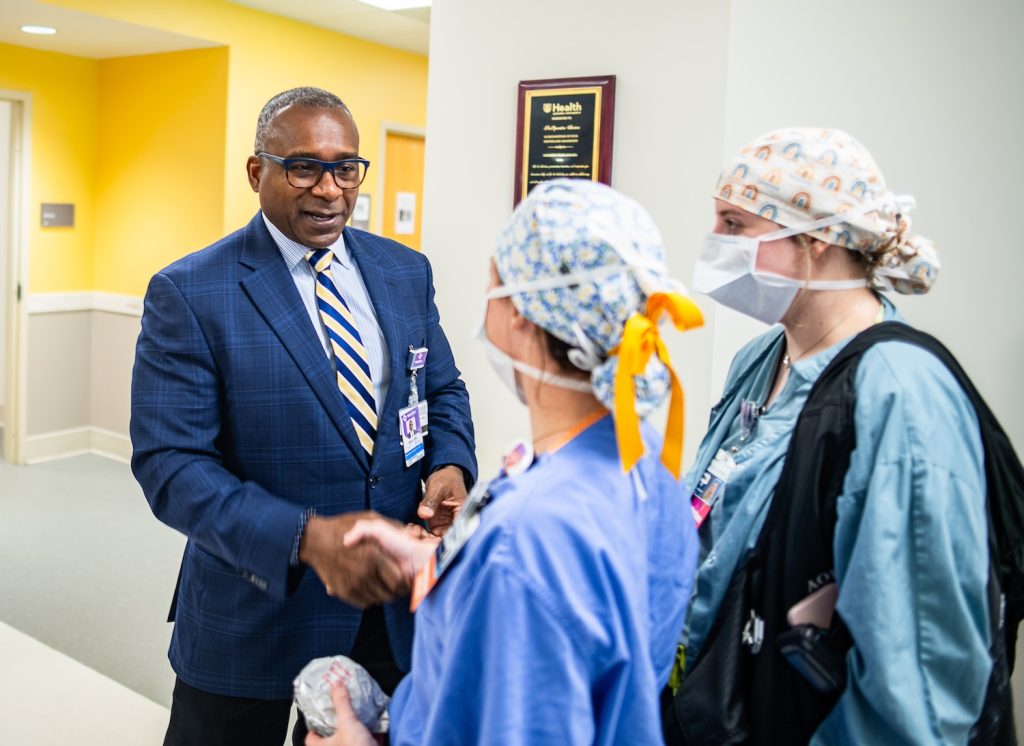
(912, 560)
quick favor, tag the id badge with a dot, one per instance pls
(711, 486)
(411, 428)
(465, 523)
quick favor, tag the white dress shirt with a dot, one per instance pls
(349, 282)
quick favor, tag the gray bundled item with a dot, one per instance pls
(313, 694)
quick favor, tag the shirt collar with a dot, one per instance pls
(293, 252)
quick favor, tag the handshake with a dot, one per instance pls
(366, 559)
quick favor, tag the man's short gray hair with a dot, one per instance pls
(316, 98)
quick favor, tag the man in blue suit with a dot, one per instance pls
(270, 379)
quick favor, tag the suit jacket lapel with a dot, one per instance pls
(272, 291)
(382, 291)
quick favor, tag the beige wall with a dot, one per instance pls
(59, 372)
(113, 354)
(79, 384)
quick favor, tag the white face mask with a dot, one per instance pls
(506, 366)
(727, 270)
(651, 277)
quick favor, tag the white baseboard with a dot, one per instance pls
(76, 441)
(117, 446)
(128, 305)
(57, 444)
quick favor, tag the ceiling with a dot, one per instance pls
(97, 37)
(86, 35)
(404, 29)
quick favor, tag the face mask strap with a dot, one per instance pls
(543, 376)
(903, 203)
(585, 355)
(788, 282)
(556, 281)
(552, 379)
(650, 275)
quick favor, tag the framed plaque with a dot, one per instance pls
(564, 129)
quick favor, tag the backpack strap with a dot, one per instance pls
(739, 689)
(799, 533)
(750, 693)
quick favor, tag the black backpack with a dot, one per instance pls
(741, 688)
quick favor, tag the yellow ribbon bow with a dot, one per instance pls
(640, 340)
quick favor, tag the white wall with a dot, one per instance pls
(668, 56)
(934, 90)
(936, 93)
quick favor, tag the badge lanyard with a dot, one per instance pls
(412, 419)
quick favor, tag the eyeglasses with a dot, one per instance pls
(304, 173)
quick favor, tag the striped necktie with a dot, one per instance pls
(350, 359)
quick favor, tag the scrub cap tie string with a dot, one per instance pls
(641, 340)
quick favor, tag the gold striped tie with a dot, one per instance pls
(350, 359)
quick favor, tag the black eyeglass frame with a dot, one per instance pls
(286, 164)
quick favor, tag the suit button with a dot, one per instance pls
(374, 481)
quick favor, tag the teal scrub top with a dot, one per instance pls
(910, 544)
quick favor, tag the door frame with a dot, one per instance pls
(391, 128)
(15, 294)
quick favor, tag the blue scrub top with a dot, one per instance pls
(558, 621)
(911, 537)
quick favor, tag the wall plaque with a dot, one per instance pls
(564, 129)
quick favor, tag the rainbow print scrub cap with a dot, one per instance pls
(798, 176)
(587, 264)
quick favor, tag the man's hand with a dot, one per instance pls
(410, 547)
(348, 731)
(443, 495)
(361, 575)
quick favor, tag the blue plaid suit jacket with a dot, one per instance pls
(238, 427)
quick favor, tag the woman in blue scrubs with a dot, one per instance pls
(551, 615)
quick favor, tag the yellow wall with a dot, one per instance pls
(160, 181)
(62, 161)
(269, 54)
(105, 133)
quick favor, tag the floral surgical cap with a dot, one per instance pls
(796, 176)
(575, 226)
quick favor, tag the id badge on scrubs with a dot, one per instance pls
(711, 485)
(465, 523)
